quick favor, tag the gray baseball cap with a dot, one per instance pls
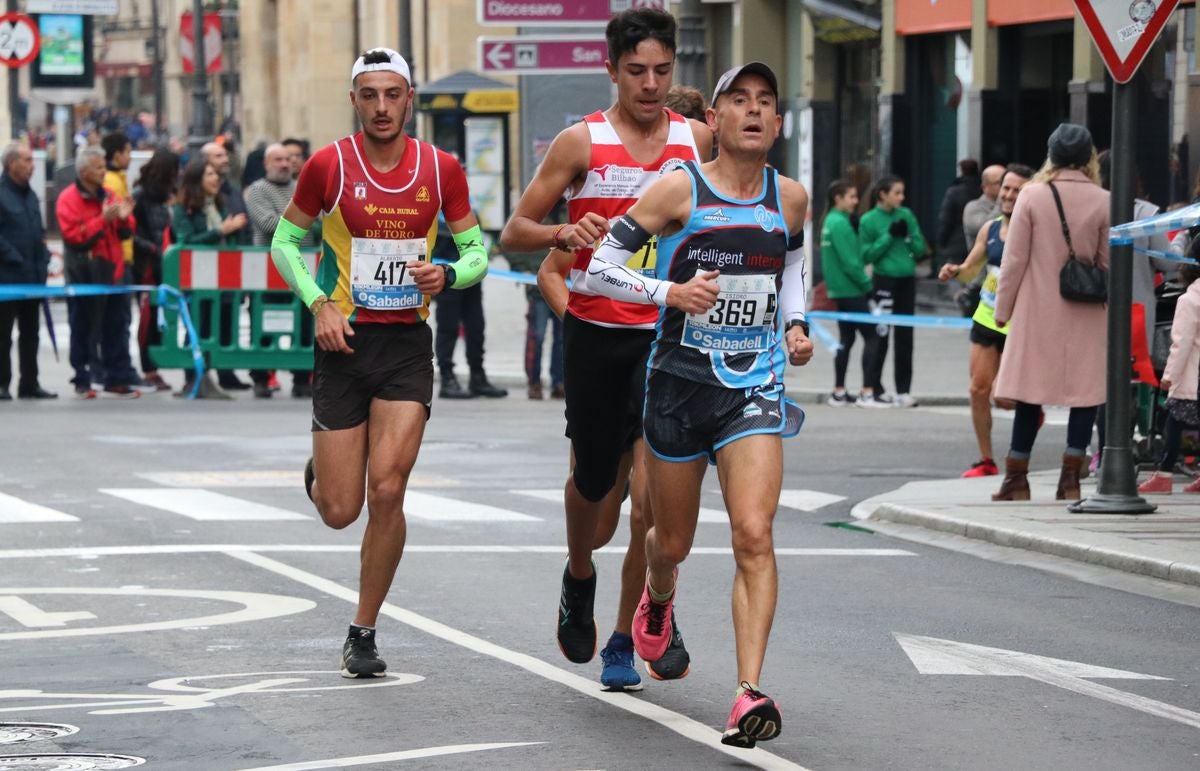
(725, 82)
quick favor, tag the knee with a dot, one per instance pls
(387, 492)
(980, 389)
(753, 540)
(593, 487)
(339, 514)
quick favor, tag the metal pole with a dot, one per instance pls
(1116, 491)
(14, 98)
(691, 52)
(201, 122)
(156, 41)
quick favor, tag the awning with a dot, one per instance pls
(467, 91)
(916, 17)
(1004, 12)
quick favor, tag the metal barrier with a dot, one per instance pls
(243, 312)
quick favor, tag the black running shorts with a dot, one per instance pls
(686, 420)
(605, 378)
(981, 335)
(392, 362)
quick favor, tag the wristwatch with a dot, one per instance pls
(797, 323)
(451, 276)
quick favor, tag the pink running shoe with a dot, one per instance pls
(1193, 487)
(754, 718)
(652, 625)
(1159, 483)
(985, 467)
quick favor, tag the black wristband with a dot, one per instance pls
(797, 323)
(451, 276)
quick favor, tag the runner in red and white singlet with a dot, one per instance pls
(601, 165)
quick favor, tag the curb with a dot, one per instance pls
(1128, 562)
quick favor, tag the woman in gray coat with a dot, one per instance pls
(1056, 349)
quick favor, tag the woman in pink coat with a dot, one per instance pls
(1056, 351)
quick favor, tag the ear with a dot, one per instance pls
(408, 111)
(710, 117)
(611, 69)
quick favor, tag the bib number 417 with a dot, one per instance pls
(391, 272)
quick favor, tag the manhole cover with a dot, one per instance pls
(71, 761)
(14, 733)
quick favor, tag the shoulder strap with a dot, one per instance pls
(1062, 217)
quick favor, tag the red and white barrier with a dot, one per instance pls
(233, 269)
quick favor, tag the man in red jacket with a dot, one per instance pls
(93, 223)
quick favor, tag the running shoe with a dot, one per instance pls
(870, 401)
(842, 399)
(309, 477)
(1159, 483)
(676, 662)
(1193, 487)
(652, 625)
(985, 467)
(122, 391)
(84, 392)
(359, 655)
(904, 400)
(576, 618)
(618, 673)
(754, 718)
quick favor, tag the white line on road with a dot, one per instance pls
(555, 495)
(16, 510)
(385, 757)
(204, 505)
(681, 724)
(125, 551)
(807, 500)
(436, 508)
(284, 478)
(27, 614)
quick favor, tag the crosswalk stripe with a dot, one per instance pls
(555, 495)
(13, 510)
(437, 508)
(203, 505)
(283, 478)
(807, 500)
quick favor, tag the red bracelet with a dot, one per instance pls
(559, 244)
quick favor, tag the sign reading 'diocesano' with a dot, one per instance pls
(541, 55)
(530, 13)
(1124, 31)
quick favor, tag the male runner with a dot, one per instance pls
(601, 165)
(730, 287)
(988, 337)
(380, 192)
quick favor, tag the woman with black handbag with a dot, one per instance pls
(1053, 285)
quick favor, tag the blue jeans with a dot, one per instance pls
(535, 334)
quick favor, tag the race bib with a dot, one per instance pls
(741, 320)
(991, 281)
(379, 277)
(646, 259)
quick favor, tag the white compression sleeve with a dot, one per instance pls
(793, 292)
(607, 274)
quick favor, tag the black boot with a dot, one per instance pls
(481, 387)
(452, 389)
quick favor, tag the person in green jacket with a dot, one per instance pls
(199, 218)
(892, 243)
(849, 286)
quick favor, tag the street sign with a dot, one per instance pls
(561, 13)
(19, 40)
(212, 42)
(541, 55)
(1123, 33)
(80, 7)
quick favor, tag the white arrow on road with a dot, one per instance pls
(932, 656)
(31, 615)
(498, 55)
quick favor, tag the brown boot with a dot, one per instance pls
(1015, 486)
(1068, 478)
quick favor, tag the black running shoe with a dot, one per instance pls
(359, 655)
(675, 663)
(576, 618)
(309, 477)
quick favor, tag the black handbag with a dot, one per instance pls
(1079, 282)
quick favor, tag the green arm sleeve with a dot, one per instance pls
(471, 266)
(285, 253)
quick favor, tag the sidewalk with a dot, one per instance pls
(1165, 544)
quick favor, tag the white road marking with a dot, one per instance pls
(255, 607)
(932, 656)
(16, 510)
(555, 495)
(86, 552)
(283, 478)
(386, 757)
(204, 505)
(30, 615)
(807, 500)
(681, 724)
(439, 509)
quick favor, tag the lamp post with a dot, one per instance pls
(201, 120)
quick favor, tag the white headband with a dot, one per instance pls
(394, 64)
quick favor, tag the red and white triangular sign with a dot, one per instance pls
(1124, 30)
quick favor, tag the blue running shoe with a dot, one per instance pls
(618, 673)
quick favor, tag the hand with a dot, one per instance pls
(111, 212)
(899, 229)
(948, 271)
(1165, 384)
(698, 295)
(430, 278)
(124, 209)
(332, 329)
(799, 347)
(584, 233)
(233, 223)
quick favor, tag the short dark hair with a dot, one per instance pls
(687, 101)
(968, 167)
(628, 29)
(114, 143)
(1020, 169)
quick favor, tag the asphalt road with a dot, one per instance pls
(167, 590)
